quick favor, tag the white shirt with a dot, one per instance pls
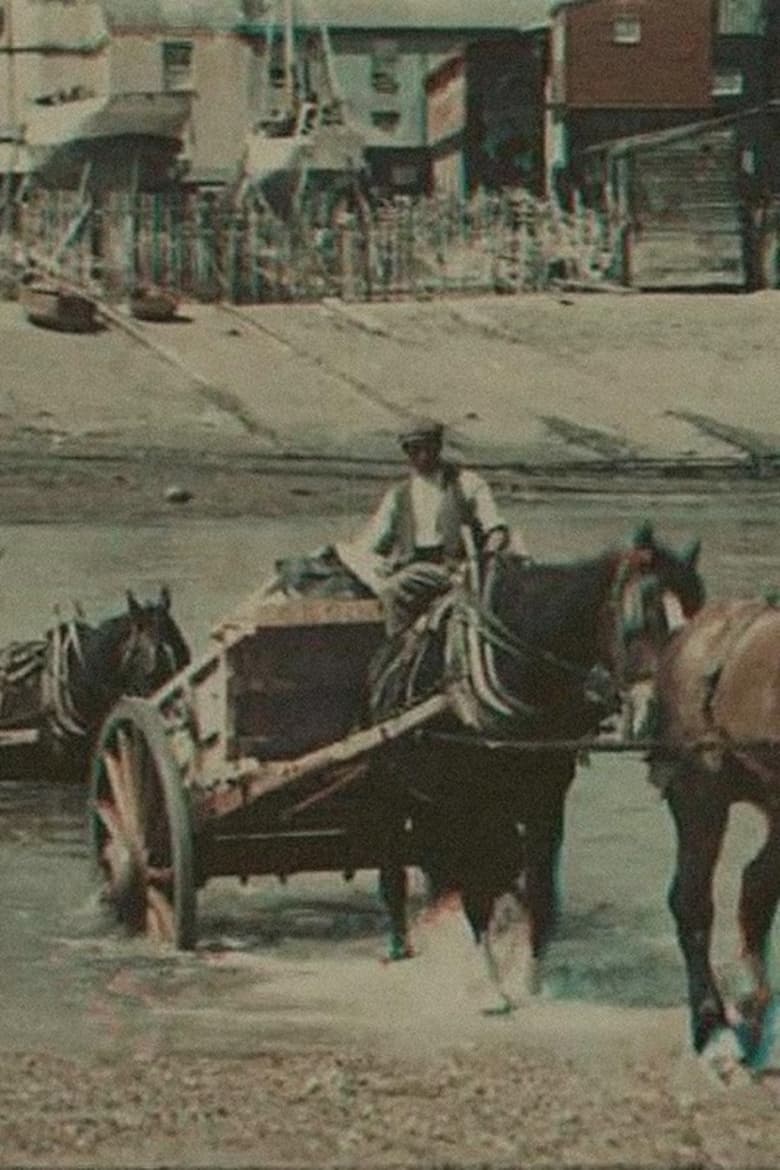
(427, 494)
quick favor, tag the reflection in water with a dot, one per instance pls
(44, 812)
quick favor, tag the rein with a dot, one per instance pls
(470, 657)
(498, 635)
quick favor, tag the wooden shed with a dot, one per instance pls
(691, 202)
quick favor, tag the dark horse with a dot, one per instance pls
(718, 722)
(63, 685)
(542, 655)
(535, 653)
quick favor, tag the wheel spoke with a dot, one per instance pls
(115, 852)
(160, 918)
(128, 762)
(117, 783)
(108, 818)
(113, 857)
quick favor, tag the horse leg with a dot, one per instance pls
(758, 901)
(393, 889)
(494, 918)
(700, 810)
(543, 843)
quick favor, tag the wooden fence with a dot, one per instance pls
(199, 246)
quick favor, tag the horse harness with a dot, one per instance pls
(21, 664)
(472, 633)
(63, 717)
(720, 740)
(53, 662)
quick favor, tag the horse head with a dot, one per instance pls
(655, 590)
(150, 647)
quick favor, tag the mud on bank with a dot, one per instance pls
(120, 485)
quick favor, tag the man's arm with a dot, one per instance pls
(365, 554)
(488, 517)
(378, 535)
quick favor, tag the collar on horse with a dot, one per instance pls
(64, 716)
(65, 654)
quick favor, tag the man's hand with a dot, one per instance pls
(495, 541)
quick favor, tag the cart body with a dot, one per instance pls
(252, 760)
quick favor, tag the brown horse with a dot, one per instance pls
(718, 722)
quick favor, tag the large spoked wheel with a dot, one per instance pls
(140, 826)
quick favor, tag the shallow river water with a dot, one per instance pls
(58, 957)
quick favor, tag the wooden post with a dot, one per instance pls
(346, 239)
(253, 247)
(204, 246)
(156, 241)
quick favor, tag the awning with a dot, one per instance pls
(143, 115)
(125, 142)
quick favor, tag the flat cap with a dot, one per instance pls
(418, 430)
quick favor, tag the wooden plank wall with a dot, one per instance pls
(686, 205)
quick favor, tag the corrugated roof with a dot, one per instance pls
(384, 14)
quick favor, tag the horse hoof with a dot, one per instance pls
(755, 1027)
(723, 1061)
(399, 951)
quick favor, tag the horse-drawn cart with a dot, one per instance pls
(247, 762)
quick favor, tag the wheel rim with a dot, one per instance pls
(140, 831)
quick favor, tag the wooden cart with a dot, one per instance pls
(247, 762)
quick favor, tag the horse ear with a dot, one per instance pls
(165, 598)
(690, 554)
(133, 607)
(643, 535)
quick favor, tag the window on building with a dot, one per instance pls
(741, 17)
(177, 64)
(626, 30)
(384, 67)
(386, 120)
(728, 83)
